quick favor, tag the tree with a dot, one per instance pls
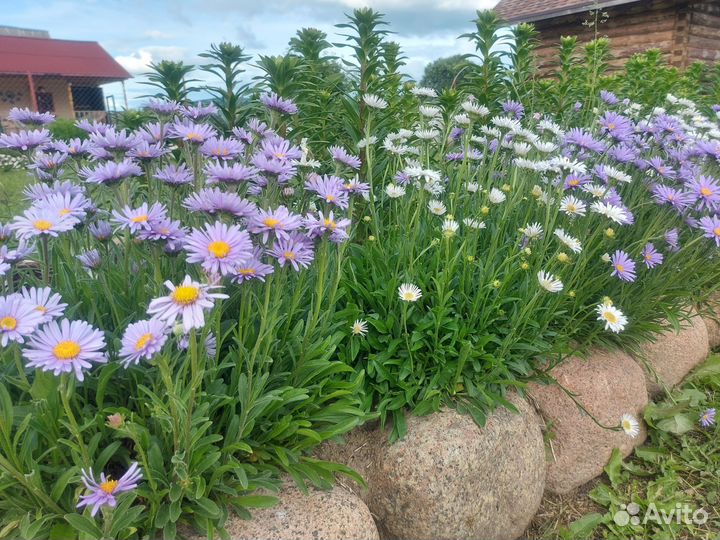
(443, 72)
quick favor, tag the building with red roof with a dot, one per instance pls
(54, 75)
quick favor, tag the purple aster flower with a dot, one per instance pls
(191, 132)
(707, 418)
(279, 221)
(30, 118)
(283, 170)
(113, 140)
(163, 107)
(651, 256)
(275, 103)
(65, 347)
(6, 233)
(213, 201)
(327, 224)
(48, 163)
(145, 151)
(456, 133)
(139, 218)
(623, 266)
(711, 228)
(514, 108)
(94, 127)
(25, 141)
(111, 172)
(617, 126)
(707, 191)
(622, 153)
(659, 166)
(577, 106)
(154, 132)
(183, 344)
(575, 181)
(328, 188)
(200, 112)
(16, 255)
(143, 339)
(229, 173)
(103, 493)
(341, 156)
(189, 301)
(42, 221)
(675, 197)
(218, 248)
(45, 302)
(356, 186)
(671, 237)
(64, 204)
(278, 148)
(18, 319)
(583, 139)
(38, 192)
(609, 97)
(252, 268)
(101, 230)
(243, 135)
(74, 147)
(174, 175)
(259, 127)
(162, 229)
(90, 259)
(295, 250)
(221, 148)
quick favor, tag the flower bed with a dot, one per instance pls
(191, 307)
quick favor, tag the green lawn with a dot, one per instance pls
(11, 186)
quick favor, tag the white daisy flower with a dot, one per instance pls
(394, 191)
(521, 148)
(549, 282)
(490, 131)
(427, 134)
(471, 107)
(615, 213)
(359, 328)
(474, 223)
(614, 319)
(437, 207)
(630, 425)
(570, 241)
(545, 146)
(449, 228)
(423, 91)
(409, 292)
(462, 119)
(472, 187)
(572, 206)
(497, 196)
(430, 111)
(375, 102)
(617, 174)
(533, 230)
(595, 190)
(605, 257)
(362, 143)
(506, 122)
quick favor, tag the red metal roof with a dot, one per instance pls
(40, 56)
(514, 11)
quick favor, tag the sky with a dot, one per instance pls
(137, 32)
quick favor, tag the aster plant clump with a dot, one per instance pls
(167, 319)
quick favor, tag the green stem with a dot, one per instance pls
(65, 389)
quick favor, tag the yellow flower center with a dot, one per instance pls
(610, 317)
(142, 218)
(192, 136)
(41, 309)
(289, 255)
(42, 225)
(64, 212)
(648, 256)
(219, 248)
(143, 341)
(626, 425)
(246, 271)
(611, 125)
(330, 198)
(8, 323)
(185, 294)
(271, 222)
(279, 155)
(705, 192)
(329, 223)
(716, 230)
(571, 208)
(408, 296)
(573, 182)
(66, 350)
(619, 268)
(108, 486)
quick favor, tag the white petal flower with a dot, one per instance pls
(533, 230)
(430, 111)
(570, 241)
(549, 282)
(572, 206)
(630, 425)
(394, 191)
(423, 91)
(359, 328)
(437, 207)
(497, 196)
(613, 318)
(375, 102)
(449, 228)
(409, 292)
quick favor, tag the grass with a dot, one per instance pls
(678, 465)
(11, 185)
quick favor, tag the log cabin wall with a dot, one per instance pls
(683, 30)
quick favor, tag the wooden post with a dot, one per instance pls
(70, 99)
(33, 96)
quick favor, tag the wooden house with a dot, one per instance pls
(685, 31)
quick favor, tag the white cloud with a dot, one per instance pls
(158, 34)
(138, 61)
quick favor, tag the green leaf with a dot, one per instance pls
(678, 424)
(206, 508)
(614, 468)
(84, 524)
(256, 501)
(583, 527)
